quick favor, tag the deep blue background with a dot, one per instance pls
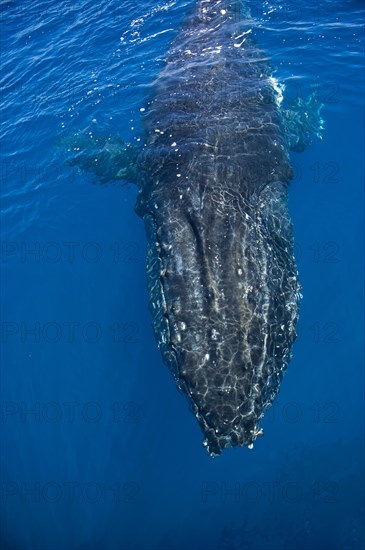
(142, 479)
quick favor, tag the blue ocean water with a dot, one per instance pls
(98, 449)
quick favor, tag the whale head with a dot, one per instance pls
(224, 297)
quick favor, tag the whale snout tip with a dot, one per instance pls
(244, 435)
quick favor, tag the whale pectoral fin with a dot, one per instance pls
(303, 122)
(107, 158)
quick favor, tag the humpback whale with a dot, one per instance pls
(213, 179)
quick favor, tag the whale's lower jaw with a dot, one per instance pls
(224, 298)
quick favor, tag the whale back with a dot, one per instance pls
(214, 100)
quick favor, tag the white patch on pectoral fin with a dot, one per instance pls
(303, 122)
(109, 158)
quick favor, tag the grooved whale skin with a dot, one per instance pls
(213, 194)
